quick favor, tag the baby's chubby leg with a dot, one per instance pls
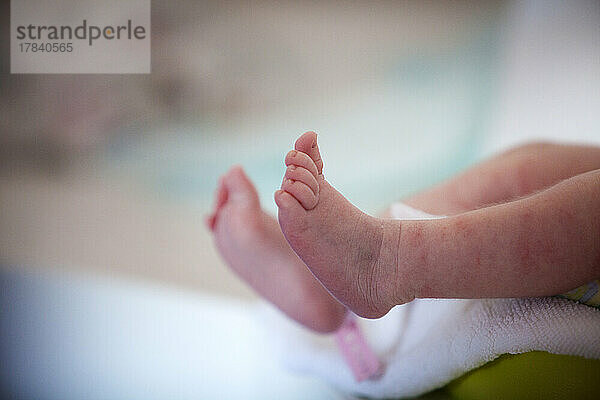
(253, 245)
(515, 173)
(540, 245)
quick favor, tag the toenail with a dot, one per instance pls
(293, 153)
(292, 167)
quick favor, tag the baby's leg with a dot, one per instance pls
(252, 244)
(510, 175)
(541, 245)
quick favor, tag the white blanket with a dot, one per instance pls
(429, 342)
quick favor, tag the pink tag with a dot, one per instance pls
(362, 360)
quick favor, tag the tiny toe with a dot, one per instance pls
(286, 201)
(307, 143)
(302, 175)
(210, 221)
(221, 195)
(301, 192)
(300, 159)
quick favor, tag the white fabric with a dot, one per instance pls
(429, 342)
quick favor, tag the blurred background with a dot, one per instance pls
(111, 286)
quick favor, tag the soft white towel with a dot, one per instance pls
(429, 342)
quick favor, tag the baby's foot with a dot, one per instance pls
(352, 254)
(253, 245)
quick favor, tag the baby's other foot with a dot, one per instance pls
(353, 254)
(252, 244)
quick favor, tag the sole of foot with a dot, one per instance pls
(353, 254)
(252, 244)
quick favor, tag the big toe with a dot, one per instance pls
(307, 143)
(239, 187)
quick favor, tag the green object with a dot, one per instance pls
(533, 375)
